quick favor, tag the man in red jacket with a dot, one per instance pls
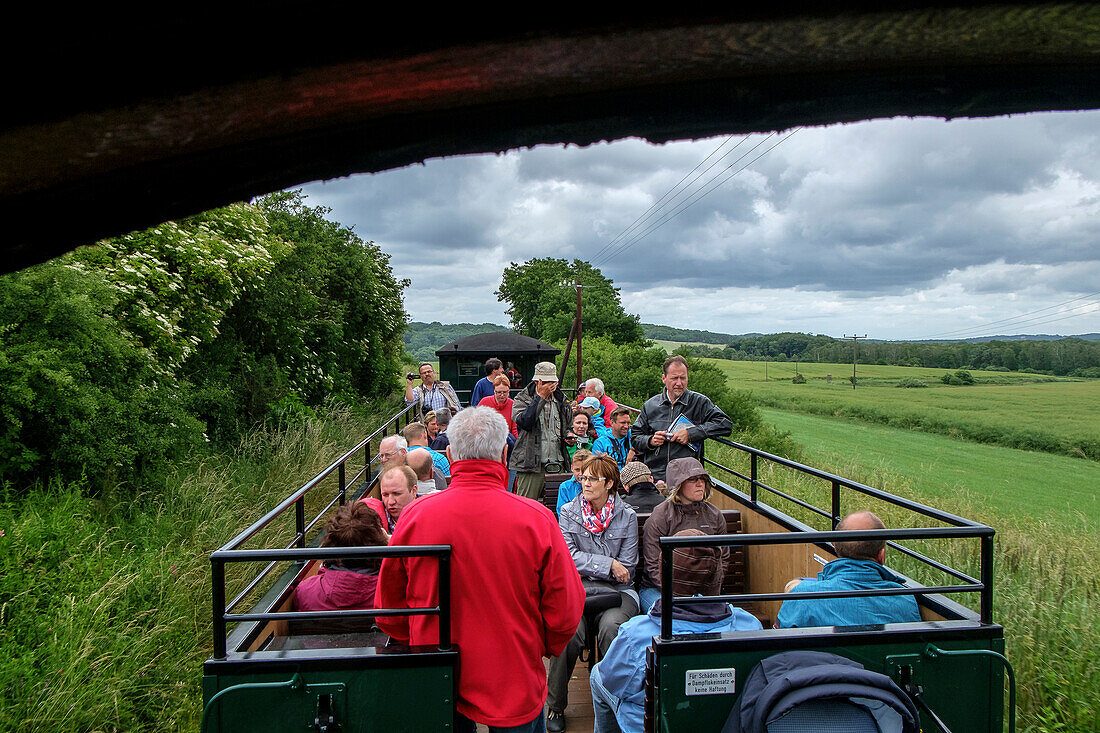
(516, 594)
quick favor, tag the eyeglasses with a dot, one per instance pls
(592, 479)
(389, 455)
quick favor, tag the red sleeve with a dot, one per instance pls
(562, 602)
(393, 584)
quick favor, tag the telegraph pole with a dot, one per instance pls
(854, 352)
(580, 330)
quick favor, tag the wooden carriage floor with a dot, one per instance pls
(578, 715)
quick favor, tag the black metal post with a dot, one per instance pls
(300, 520)
(217, 577)
(752, 477)
(343, 486)
(666, 593)
(987, 580)
(836, 504)
(445, 602)
(366, 459)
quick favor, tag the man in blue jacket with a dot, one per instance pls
(618, 681)
(858, 567)
(616, 442)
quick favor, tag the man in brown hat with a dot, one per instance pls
(542, 416)
(640, 492)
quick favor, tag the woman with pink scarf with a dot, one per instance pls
(601, 531)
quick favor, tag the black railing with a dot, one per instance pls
(298, 501)
(984, 586)
(223, 617)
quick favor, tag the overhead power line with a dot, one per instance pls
(1021, 319)
(700, 193)
(659, 204)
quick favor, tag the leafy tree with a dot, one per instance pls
(541, 297)
(327, 320)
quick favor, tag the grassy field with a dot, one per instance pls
(1003, 481)
(105, 604)
(1044, 509)
(1004, 408)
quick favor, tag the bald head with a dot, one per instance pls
(861, 549)
(421, 462)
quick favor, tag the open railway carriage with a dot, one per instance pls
(281, 670)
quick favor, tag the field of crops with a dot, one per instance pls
(1012, 409)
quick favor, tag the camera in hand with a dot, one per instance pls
(410, 375)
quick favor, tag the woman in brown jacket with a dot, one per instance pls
(686, 508)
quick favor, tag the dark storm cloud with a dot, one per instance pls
(913, 215)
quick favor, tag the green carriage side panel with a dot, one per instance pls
(966, 692)
(412, 696)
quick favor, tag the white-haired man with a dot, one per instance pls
(505, 616)
(594, 388)
(392, 449)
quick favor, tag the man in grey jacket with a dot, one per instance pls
(655, 435)
(542, 416)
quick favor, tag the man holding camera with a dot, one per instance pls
(431, 394)
(543, 418)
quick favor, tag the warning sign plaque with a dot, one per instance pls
(711, 681)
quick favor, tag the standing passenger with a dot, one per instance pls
(542, 416)
(484, 387)
(655, 436)
(517, 597)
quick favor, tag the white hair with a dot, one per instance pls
(397, 441)
(596, 384)
(477, 432)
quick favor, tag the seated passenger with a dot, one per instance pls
(616, 442)
(594, 388)
(618, 681)
(427, 480)
(346, 582)
(640, 491)
(601, 531)
(438, 441)
(416, 435)
(858, 567)
(583, 434)
(686, 508)
(397, 486)
(570, 488)
(392, 451)
(591, 407)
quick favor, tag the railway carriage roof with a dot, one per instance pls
(115, 124)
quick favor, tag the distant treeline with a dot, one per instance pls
(423, 339)
(668, 333)
(1064, 357)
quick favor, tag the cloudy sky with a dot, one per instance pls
(903, 228)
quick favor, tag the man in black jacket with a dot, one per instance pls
(674, 423)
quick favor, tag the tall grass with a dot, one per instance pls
(105, 604)
(1046, 583)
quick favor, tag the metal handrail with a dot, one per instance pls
(984, 586)
(285, 504)
(837, 481)
(222, 616)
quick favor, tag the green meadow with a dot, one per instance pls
(946, 446)
(1012, 409)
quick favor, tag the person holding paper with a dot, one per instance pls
(674, 423)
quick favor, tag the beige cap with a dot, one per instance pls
(545, 371)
